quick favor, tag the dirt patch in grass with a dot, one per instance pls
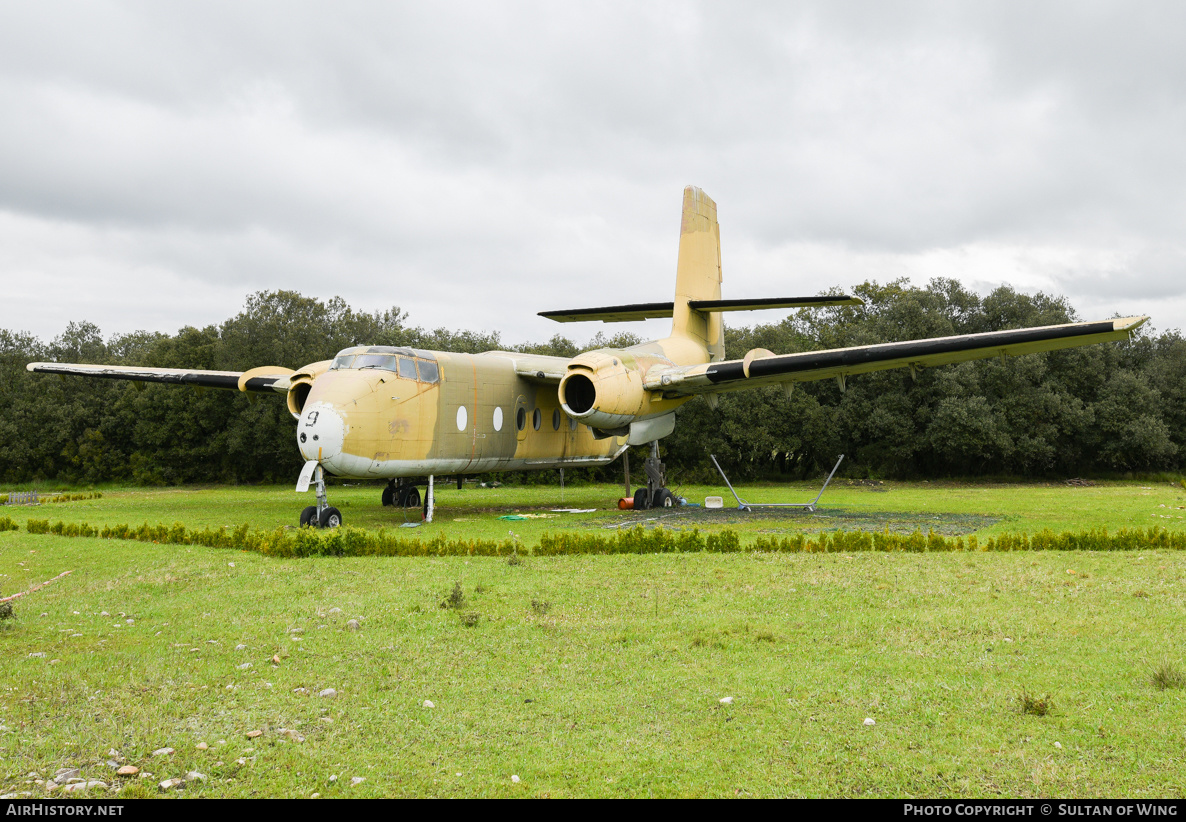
(796, 520)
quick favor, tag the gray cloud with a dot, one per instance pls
(474, 163)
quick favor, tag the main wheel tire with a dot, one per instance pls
(641, 502)
(330, 518)
(309, 516)
(413, 498)
(664, 498)
(388, 496)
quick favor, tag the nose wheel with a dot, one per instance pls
(655, 495)
(321, 515)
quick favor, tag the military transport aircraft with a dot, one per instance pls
(402, 414)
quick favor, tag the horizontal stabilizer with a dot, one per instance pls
(654, 311)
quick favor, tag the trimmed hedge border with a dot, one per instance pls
(357, 542)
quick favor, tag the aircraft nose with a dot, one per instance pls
(320, 432)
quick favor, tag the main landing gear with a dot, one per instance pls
(655, 495)
(401, 494)
(321, 515)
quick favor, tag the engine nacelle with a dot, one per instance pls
(300, 383)
(603, 389)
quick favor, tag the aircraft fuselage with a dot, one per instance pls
(411, 413)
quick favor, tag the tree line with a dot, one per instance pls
(1103, 409)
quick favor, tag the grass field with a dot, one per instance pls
(602, 676)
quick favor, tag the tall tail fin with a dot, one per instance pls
(698, 275)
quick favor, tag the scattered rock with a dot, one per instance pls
(244, 666)
(333, 777)
(163, 752)
(276, 659)
(514, 778)
(295, 736)
(300, 690)
(195, 776)
(727, 700)
(1058, 745)
(240, 647)
(869, 721)
(84, 785)
(334, 610)
(357, 780)
(254, 734)
(63, 774)
(328, 693)
(37, 655)
(353, 625)
(202, 746)
(169, 784)
(428, 704)
(128, 770)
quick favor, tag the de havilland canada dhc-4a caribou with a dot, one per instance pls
(405, 415)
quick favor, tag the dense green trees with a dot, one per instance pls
(1105, 408)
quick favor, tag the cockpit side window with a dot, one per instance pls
(407, 368)
(428, 371)
(342, 361)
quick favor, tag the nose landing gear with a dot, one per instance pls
(321, 515)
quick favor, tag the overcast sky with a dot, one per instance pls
(474, 163)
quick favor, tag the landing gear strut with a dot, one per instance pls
(321, 515)
(655, 495)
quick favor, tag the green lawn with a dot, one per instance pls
(601, 675)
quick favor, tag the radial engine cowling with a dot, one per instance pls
(603, 389)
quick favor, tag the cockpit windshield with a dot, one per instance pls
(408, 363)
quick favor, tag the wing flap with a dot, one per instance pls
(806, 366)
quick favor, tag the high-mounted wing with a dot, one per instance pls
(655, 311)
(760, 368)
(259, 380)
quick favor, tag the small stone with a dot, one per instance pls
(163, 752)
(300, 690)
(240, 647)
(514, 778)
(727, 700)
(334, 610)
(869, 721)
(328, 693)
(333, 777)
(1058, 745)
(62, 774)
(84, 785)
(357, 780)
(254, 734)
(428, 704)
(314, 795)
(202, 746)
(37, 655)
(128, 770)
(169, 784)
(353, 625)
(231, 564)
(241, 760)
(195, 776)
(244, 666)
(276, 659)
(104, 613)
(291, 734)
